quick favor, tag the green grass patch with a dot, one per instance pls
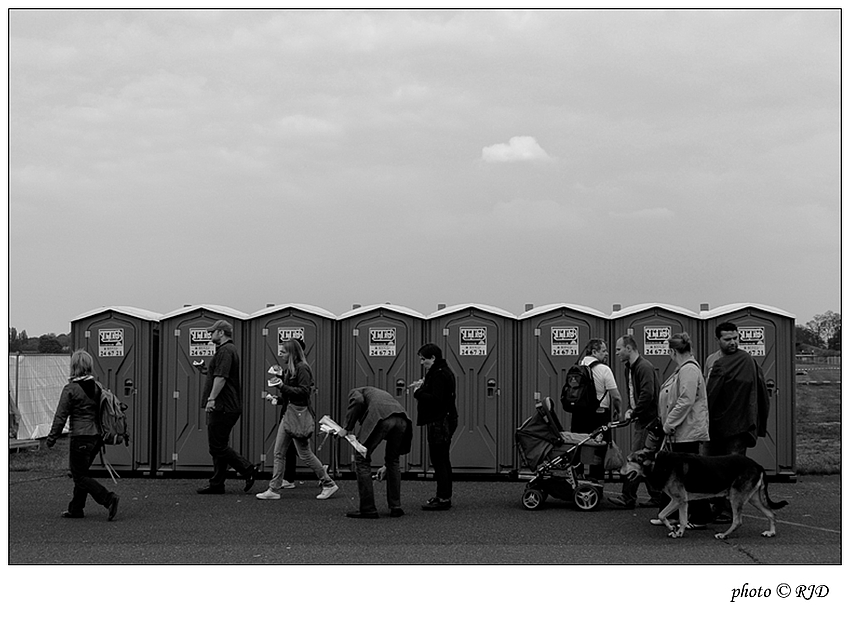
(819, 429)
(42, 459)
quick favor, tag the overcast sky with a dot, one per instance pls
(164, 158)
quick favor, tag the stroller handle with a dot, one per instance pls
(620, 423)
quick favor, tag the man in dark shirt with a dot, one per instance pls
(642, 396)
(223, 404)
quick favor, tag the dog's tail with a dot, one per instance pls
(773, 505)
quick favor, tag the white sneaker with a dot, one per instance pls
(269, 495)
(327, 492)
(287, 485)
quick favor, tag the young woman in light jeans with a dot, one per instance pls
(294, 394)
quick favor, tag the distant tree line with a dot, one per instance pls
(821, 333)
(45, 344)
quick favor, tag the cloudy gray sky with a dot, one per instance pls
(593, 157)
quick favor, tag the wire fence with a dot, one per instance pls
(35, 384)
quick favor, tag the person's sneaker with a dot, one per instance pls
(397, 512)
(287, 485)
(361, 516)
(269, 494)
(619, 501)
(68, 514)
(209, 489)
(113, 507)
(328, 491)
(437, 504)
(250, 476)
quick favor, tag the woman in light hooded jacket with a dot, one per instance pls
(682, 400)
(683, 410)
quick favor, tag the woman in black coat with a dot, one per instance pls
(80, 402)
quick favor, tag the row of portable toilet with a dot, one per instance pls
(504, 364)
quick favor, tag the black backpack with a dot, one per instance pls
(578, 396)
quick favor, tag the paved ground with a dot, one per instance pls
(165, 522)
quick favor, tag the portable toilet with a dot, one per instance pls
(378, 347)
(552, 339)
(124, 344)
(268, 329)
(768, 334)
(185, 341)
(651, 325)
(478, 342)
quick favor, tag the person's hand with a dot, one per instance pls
(669, 430)
(628, 414)
(416, 385)
(50, 442)
(210, 405)
(381, 474)
(342, 432)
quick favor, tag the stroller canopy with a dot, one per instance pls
(539, 434)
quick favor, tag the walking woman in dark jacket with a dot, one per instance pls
(436, 408)
(80, 402)
(294, 395)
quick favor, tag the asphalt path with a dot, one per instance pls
(163, 521)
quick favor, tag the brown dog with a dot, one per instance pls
(685, 477)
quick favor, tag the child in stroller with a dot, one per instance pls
(555, 456)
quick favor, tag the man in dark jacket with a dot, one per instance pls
(642, 396)
(738, 403)
(436, 408)
(380, 418)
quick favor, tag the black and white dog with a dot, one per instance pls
(685, 477)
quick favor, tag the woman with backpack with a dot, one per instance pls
(296, 423)
(80, 402)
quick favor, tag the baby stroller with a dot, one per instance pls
(555, 456)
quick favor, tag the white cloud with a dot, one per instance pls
(518, 149)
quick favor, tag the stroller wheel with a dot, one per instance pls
(533, 499)
(586, 497)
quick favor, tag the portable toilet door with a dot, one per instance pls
(651, 325)
(378, 345)
(268, 329)
(478, 342)
(768, 334)
(552, 339)
(184, 341)
(123, 342)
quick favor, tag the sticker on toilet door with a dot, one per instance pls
(655, 340)
(751, 340)
(287, 334)
(565, 341)
(199, 343)
(382, 342)
(110, 343)
(473, 341)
